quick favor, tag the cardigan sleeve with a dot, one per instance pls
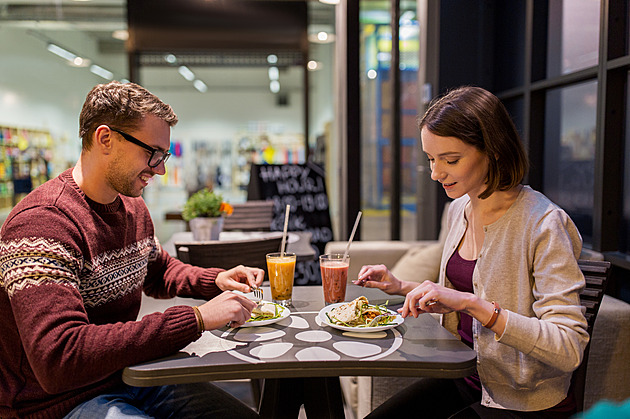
(556, 332)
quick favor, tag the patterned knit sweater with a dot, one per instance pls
(72, 272)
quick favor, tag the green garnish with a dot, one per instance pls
(260, 317)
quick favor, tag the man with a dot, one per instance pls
(75, 257)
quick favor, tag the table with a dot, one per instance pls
(298, 242)
(302, 357)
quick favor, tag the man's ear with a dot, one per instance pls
(103, 139)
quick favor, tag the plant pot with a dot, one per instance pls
(205, 228)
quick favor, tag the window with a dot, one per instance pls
(377, 118)
(573, 36)
(569, 163)
(624, 244)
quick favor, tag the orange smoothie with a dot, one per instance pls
(281, 270)
(334, 279)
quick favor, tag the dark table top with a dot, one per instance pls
(301, 346)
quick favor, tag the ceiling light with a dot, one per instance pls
(186, 73)
(321, 37)
(100, 71)
(63, 53)
(274, 73)
(329, 1)
(170, 58)
(120, 34)
(80, 62)
(201, 86)
(272, 59)
(313, 65)
(274, 86)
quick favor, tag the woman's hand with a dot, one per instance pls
(240, 278)
(430, 297)
(378, 276)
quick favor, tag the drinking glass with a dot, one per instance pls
(281, 269)
(334, 270)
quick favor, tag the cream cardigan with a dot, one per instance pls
(528, 265)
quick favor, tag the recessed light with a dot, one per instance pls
(120, 34)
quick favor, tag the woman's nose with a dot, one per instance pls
(436, 173)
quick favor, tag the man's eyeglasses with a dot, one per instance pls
(157, 156)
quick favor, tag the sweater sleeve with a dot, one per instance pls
(65, 351)
(70, 334)
(168, 277)
(556, 333)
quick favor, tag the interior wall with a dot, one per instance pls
(38, 90)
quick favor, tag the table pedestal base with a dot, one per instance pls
(282, 397)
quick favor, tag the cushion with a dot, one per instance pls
(419, 263)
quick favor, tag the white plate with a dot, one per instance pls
(398, 320)
(283, 315)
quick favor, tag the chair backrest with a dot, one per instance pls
(596, 274)
(228, 254)
(250, 216)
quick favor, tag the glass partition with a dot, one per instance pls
(376, 97)
(573, 37)
(569, 163)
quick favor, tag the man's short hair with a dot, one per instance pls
(121, 105)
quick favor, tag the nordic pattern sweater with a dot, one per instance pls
(72, 273)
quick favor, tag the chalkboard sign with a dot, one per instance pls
(303, 187)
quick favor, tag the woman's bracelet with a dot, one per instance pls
(495, 315)
(200, 326)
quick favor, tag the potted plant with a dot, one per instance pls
(204, 211)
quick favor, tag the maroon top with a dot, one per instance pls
(72, 272)
(459, 272)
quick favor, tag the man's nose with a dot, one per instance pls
(160, 169)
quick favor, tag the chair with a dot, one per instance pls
(228, 254)
(596, 273)
(250, 216)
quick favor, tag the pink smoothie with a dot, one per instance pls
(334, 279)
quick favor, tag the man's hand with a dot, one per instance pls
(240, 278)
(227, 308)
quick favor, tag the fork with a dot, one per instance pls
(376, 319)
(258, 293)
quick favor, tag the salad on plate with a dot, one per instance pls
(359, 313)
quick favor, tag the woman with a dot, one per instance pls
(509, 280)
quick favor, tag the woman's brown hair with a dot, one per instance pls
(477, 117)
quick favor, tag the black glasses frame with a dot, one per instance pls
(157, 156)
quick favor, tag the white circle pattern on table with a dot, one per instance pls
(315, 353)
(314, 336)
(272, 350)
(357, 349)
(324, 346)
(259, 335)
(298, 323)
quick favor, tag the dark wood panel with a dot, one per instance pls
(182, 25)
